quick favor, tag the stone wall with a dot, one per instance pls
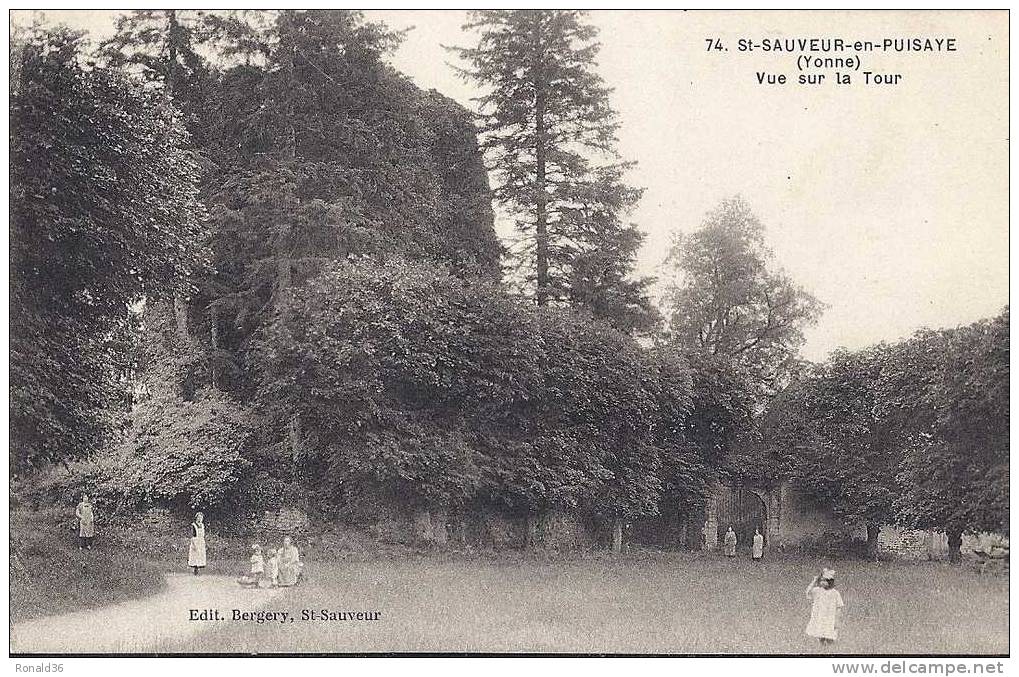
(286, 520)
(982, 541)
(897, 543)
(792, 518)
(386, 518)
(491, 529)
(916, 544)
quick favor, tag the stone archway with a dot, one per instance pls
(744, 510)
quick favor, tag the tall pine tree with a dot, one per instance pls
(550, 134)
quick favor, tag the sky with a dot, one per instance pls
(887, 202)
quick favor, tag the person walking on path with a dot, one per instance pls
(730, 543)
(758, 550)
(85, 513)
(196, 548)
(825, 609)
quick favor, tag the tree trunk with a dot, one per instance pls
(440, 526)
(283, 278)
(172, 30)
(214, 337)
(530, 531)
(287, 153)
(180, 313)
(423, 525)
(294, 437)
(458, 523)
(872, 533)
(288, 53)
(617, 535)
(541, 197)
(954, 546)
(170, 88)
(294, 442)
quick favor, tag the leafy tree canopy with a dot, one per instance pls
(104, 210)
(914, 433)
(447, 391)
(730, 301)
(955, 474)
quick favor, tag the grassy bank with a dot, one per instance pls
(49, 575)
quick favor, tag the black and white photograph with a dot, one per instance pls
(509, 332)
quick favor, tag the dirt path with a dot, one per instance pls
(139, 625)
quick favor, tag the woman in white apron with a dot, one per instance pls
(758, 550)
(730, 543)
(196, 549)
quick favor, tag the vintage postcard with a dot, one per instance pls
(510, 332)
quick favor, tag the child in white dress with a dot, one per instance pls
(826, 607)
(272, 566)
(254, 579)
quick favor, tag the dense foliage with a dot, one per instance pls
(827, 424)
(914, 433)
(449, 391)
(323, 152)
(250, 260)
(721, 424)
(955, 474)
(104, 210)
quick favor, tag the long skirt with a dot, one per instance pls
(288, 573)
(196, 552)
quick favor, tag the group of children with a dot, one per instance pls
(282, 568)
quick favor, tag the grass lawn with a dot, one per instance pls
(664, 602)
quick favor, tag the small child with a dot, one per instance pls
(254, 580)
(273, 574)
(257, 561)
(826, 607)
